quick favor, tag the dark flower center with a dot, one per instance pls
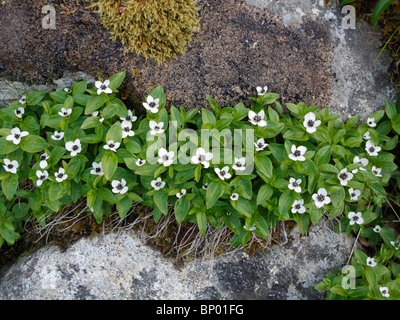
(353, 194)
(165, 157)
(355, 218)
(10, 166)
(158, 184)
(42, 177)
(18, 111)
(257, 118)
(103, 87)
(16, 136)
(295, 184)
(320, 197)
(120, 187)
(75, 147)
(152, 104)
(111, 145)
(202, 158)
(57, 136)
(127, 129)
(42, 157)
(97, 169)
(60, 175)
(238, 164)
(310, 123)
(222, 173)
(297, 206)
(343, 176)
(128, 118)
(260, 144)
(297, 153)
(371, 149)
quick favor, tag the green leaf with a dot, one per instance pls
(208, 117)
(79, 88)
(34, 98)
(133, 147)
(201, 218)
(9, 186)
(117, 79)
(55, 191)
(33, 143)
(94, 103)
(106, 195)
(7, 147)
(390, 109)
(181, 209)
(90, 122)
(109, 163)
(285, 203)
(110, 110)
(303, 222)
(161, 201)
(123, 206)
(214, 191)
(264, 193)
(380, 7)
(115, 132)
(323, 156)
(264, 165)
(316, 214)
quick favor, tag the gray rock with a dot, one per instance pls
(360, 85)
(123, 267)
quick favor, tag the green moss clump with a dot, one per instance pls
(156, 29)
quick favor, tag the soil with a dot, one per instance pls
(237, 48)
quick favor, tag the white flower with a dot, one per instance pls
(97, 169)
(155, 127)
(295, 184)
(371, 262)
(101, 119)
(356, 218)
(74, 147)
(257, 119)
(119, 186)
(103, 86)
(140, 162)
(371, 122)
(65, 112)
(130, 117)
(157, 184)
(239, 164)
(151, 104)
(260, 144)
(234, 196)
(297, 206)
(384, 291)
(126, 129)
(354, 194)
(377, 228)
(205, 186)
(181, 194)
(16, 135)
(60, 175)
(261, 91)
(93, 114)
(310, 123)
(372, 149)
(223, 173)
(366, 136)
(111, 145)
(57, 135)
(10, 166)
(22, 100)
(363, 161)
(395, 244)
(43, 163)
(376, 171)
(202, 157)
(67, 90)
(165, 157)
(298, 153)
(321, 198)
(344, 177)
(42, 176)
(19, 112)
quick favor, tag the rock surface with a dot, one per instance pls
(298, 48)
(123, 267)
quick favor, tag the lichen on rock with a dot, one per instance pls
(156, 29)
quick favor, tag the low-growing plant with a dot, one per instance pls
(239, 167)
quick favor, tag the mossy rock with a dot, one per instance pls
(156, 29)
